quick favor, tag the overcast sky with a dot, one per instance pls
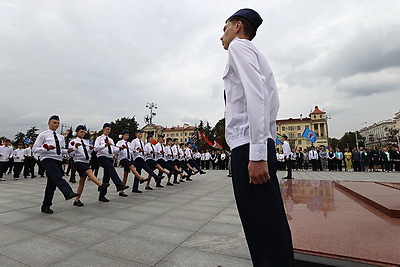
(96, 61)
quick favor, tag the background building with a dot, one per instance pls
(294, 128)
(381, 133)
(180, 132)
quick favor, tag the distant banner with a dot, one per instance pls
(310, 135)
(205, 138)
(217, 145)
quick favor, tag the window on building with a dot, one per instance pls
(299, 142)
(291, 128)
(181, 135)
(291, 135)
(298, 134)
(167, 135)
(181, 140)
(283, 128)
(298, 128)
(308, 142)
(306, 127)
(185, 134)
(320, 116)
(277, 129)
(172, 135)
(315, 116)
(316, 127)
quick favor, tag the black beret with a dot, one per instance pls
(138, 131)
(54, 117)
(150, 135)
(169, 139)
(80, 127)
(285, 136)
(161, 135)
(175, 139)
(106, 125)
(181, 144)
(250, 15)
(125, 131)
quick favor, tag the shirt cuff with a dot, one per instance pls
(258, 152)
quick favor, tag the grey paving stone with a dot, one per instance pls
(90, 258)
(41, 224)
(10, 234)
(216, 228)
(82, 235)
(136, 249)
(161, 233)
(38, 251)
(7, 262)
(105, 224)
(178, 223)
(13, 216)
(221, 244)
(223, 218)
(183, 257)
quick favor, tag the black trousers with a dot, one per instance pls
(54, 180)
(3, 167)
(139, 165)
(18, 169)
(289, 166)
(261, 212)
(109, 172)
(166, 165)
(314, 163)
(29, 166)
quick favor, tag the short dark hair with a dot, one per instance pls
(248, 29)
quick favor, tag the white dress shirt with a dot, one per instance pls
(287, 152)
(124, 153)
(252, 100)
(5, 153)
(78, 153)
(181, 154)
(208, 156)
(159, 150)
(312, 154)
(188, 153)
(149, 152)
(28, 153)
(168, 153)
(47, 137)
(137, 146)
(175, 151)
(101, 148)
(18, 155)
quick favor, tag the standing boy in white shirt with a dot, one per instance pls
(252, 104)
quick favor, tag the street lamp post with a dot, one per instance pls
(356, 133)
(149, 118)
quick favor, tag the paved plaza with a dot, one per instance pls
(191, 224)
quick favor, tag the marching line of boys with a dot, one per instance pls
(171, 159)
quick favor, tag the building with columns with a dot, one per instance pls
(182, 133)
(294, 128)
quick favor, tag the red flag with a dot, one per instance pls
(205, 138)
(217, 145)
(154, 142)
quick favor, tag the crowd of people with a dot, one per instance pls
(372, 159)
(56, 158)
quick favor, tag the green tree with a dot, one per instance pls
(348, 140)
(121, 124)
(31, 133)
(19, 138)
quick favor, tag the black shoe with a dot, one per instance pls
(42, 176)
(103, 187)
(148, 188)
(71, 195)
(32, 176)
(26, 177)
(202, 172)
(136, 191)
(169, 184)
(78, 203)
(188, 179)
(122, 194)
(46, 210)
(122, 187)
(144, 180)
(181, 181)
(176, 182)
(72, 181)
(104, 199)
(161, 186)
